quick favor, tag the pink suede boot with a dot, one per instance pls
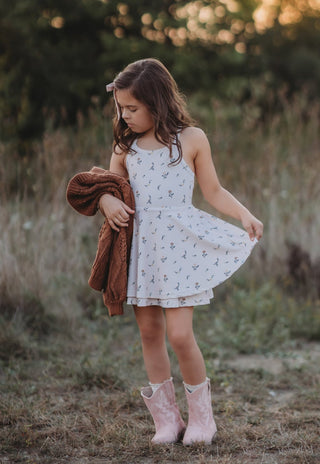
(201, 425)
(165, 413)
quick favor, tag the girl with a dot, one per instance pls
(178, 252)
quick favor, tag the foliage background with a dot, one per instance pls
(250, 71)
(56, 56)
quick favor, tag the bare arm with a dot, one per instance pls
(212, 190)
(115, 210)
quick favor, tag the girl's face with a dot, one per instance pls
(136, 114)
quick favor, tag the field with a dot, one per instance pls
(76, 400)
(70, 376)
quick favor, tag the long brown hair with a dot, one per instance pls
(150, 82)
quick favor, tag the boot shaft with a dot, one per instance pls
(201, 424)
(164, 411)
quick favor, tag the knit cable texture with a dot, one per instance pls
(110, 268)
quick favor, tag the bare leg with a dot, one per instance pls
(181, 337)
(152, 326)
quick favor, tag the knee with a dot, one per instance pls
(151, 333)
(181, 340)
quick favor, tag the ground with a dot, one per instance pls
(69, 401)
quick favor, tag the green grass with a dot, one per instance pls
(70, 376)
(77, 400)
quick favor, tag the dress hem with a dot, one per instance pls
(198, 299)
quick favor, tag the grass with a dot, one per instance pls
(77, 400)
(70, 376)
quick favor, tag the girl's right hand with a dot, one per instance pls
(116, 211)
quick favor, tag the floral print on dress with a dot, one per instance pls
(178, 253)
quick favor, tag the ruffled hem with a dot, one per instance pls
(202, 298)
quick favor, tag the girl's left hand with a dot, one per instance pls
(253, 226)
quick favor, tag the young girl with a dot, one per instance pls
(178, 252)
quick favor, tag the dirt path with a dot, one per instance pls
(64, 407)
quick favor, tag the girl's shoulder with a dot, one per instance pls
(193, 142)
(193, 133)
(193, 136)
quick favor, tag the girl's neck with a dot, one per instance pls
(148, 141)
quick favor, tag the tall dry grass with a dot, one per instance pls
(46, 248)
(69, 376)
(44, 244)
(272, 163)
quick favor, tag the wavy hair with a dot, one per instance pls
(150, 82)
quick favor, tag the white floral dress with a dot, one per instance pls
(179, 253)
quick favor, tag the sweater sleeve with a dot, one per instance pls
(86, 188)
(109, 270)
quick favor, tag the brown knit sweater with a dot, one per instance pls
(110, 267)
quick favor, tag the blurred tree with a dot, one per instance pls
(57, 55)
(49, 59)
(291, 53)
